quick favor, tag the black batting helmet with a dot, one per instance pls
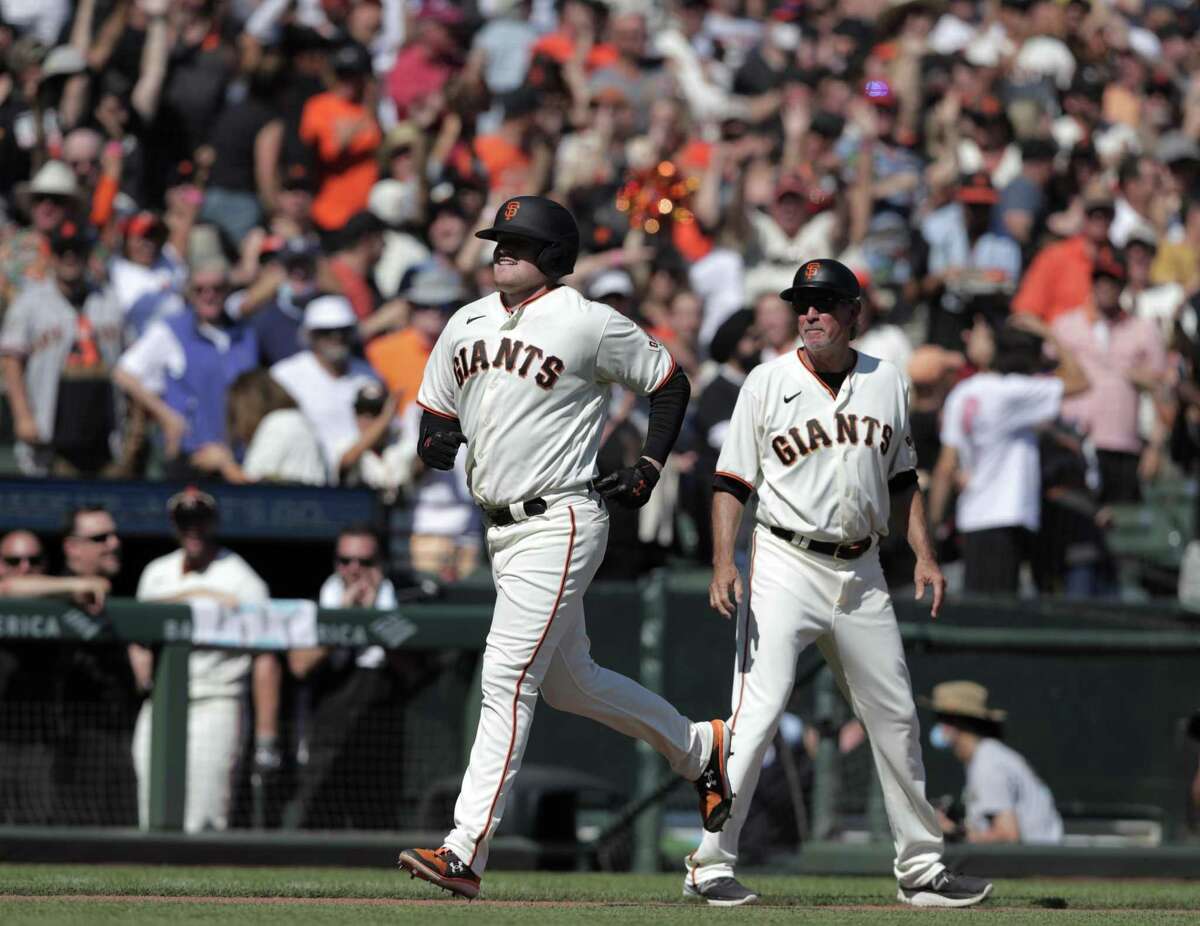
(542, 220)
(825, 274)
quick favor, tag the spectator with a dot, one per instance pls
(1121, 355)
(1005, 801)
(207, 575)
(376, 459)
(180, 370)
(344, 136)
(1141, 297)
(427, 62)
(1059, 278)
(324, 379)
(148, 280)
(988, 434)
(1135, 207)
(50, 200)
(274, 303)
(279, 443)
(1179, 261)
(1021, 205)
(876, 336)
(60, 340)
(932, 373)
(395, 204)
(356, 247)
(970, 269)
(777, 325)
(433, 293)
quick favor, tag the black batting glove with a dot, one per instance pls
(439, 449)
(631, 486)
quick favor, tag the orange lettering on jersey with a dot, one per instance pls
(552, 368)
(783, 450)
(817, 435)
(847, 428)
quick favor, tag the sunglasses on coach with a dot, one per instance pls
(353, 560)
(96, 538)
(825, 303)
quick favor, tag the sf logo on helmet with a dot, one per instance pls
(510, 211)
(811, 270)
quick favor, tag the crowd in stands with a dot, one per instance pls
(232, 231)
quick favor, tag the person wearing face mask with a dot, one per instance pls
(181, 368)
(325, 379)
(58, 345)
(273, 305)
(1005, 800)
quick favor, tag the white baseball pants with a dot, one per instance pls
(213, 746)
(795, 598)
(542, 567)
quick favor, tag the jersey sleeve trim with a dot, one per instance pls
(434, 411)
(723, 483)
(662, 382)
(903, 481)
(736, 478)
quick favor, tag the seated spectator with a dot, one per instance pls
(342, 131)
(988, 436)
(429, 59)
(274, 303)
(1122, 355)
(181, 369)
(201, 571)
(376, 459)
(354, 250)
(433, 292)
(1004, 799)
(325, 379)
(59, 342)
(279, 443)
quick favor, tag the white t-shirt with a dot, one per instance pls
(887, 342)
(327, 401)
(989, 420)
(530, 388)
(819, 461)
(999, 779)
(213, 673)
(285, 449)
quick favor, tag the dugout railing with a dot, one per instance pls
(1098, 695)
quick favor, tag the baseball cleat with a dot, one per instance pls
(946, 890)
(443, 868)
(720, 892)
(716, 798)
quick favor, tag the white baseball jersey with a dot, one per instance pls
(530, 387)
(819, 461)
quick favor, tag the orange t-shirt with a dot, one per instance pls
(689, 239)
(1058, 280)
(507, 165)
(399, 359)
(354, 287)
(561, 48)
(346, 174)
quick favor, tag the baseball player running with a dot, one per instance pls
(821, 434)
(522, 377)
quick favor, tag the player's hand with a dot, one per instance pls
(630, 487)
(439, 449)
(725, 590)
(928, 573)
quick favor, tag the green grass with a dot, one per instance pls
(623, 899)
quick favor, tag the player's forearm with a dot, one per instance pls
(918, 526)
(726, 519)
(668, 405)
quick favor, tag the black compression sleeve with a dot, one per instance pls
(668, 403)
(739, 490)
(901, 482)
(432, 424)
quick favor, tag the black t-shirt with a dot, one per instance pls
(233, 137)
(84, 416)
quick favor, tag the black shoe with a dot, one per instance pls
(716, 797)
(946, 890)
(720, 892)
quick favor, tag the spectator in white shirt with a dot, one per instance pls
(200, 571)
(1004, 799)
(325, 379)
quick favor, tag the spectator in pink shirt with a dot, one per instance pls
(427, 63)
(1122, 355)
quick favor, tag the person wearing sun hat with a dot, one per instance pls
(1004, 798)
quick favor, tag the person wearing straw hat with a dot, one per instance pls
(1005, 800)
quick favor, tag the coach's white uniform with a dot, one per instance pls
(529, 387)
(216, 683)
(820, 463)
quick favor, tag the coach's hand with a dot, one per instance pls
(439, 449)
(725, 590)
(630, 487)
(928, 573)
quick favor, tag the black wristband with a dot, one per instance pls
(739, 490)
(668, 404)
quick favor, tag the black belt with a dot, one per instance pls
(502, 517)
(852, 550)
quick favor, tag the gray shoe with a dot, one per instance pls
(946, 890)
(720, 892)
